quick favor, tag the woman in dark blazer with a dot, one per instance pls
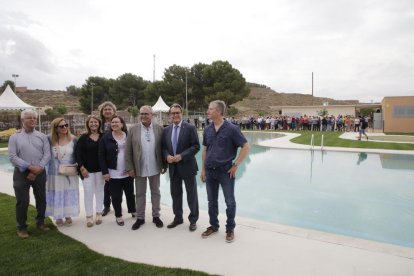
(112, 163)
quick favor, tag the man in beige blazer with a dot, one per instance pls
(143, 160)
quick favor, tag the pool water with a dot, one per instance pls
(369, 196)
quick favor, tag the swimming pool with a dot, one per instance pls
(369, 196)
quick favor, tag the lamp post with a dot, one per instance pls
(15, 76)
(92, 84)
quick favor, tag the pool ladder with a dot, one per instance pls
(312, 143)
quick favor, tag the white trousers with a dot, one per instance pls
(93, 185)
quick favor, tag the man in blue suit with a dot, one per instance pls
(180, 144)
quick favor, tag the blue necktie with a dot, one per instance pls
(175, 138)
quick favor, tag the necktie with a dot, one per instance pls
(175, 138)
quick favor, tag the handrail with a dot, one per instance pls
(311, 143)
(322, 142)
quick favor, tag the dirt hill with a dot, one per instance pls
(260, 99)
(264, 99)
(43, 98)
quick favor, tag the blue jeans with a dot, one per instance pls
(215, 177)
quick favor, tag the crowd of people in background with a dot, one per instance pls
(297, 123)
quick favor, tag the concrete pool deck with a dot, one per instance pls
(260, 248)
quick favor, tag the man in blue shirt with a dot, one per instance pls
(29, 152)
(221, 139)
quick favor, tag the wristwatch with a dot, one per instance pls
(235, 165)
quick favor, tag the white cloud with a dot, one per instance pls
(356, 49)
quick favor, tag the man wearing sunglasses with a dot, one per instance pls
(29, 152)
(180, 144)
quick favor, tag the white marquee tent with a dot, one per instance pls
(10, 101)
(160, 106)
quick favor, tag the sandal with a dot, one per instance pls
(89, 221)
(59, 222)
(68, 221)
(98, 219)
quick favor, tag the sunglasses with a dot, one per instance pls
(63, 126)
(175, 113)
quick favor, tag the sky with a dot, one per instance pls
(356, 49)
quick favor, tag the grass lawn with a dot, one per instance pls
(4, 144)
(53, 253)
(331, 139)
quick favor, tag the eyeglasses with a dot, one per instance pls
(30, 118)
(144, 114)
(63, 126)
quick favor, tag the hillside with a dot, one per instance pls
(43, 98)
(264, 99)
(260, 99)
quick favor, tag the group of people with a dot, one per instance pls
(313, 123)
(109, 159)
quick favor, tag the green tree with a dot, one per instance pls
(174, 80)
(128, 90)
(323, 112)
(101, 89)
(154, 90)
(61, 109)
(366, 112)
(7, 82)
(73, 90)
(55, 111)
(219, 81)
(134, 111)
(232, 111)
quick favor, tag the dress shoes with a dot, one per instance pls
(137, 224)
(23, 234)
(229, 236)
(42, 227)
(120, 221)
(105, 211)
(174, 224)
(192, 227)
(158, 222)
(210, 231)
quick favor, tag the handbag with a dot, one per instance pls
(68, 169)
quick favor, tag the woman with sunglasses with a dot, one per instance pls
(86, 153)
(112, 162)
(62, 192)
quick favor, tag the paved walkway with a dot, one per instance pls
(284, 142)
(260, 248)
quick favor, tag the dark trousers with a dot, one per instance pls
(116, 186)
(21, 187)
(176, 188)
(107, 196)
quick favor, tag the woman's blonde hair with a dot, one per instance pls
(54, 138)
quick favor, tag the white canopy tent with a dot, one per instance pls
(10, 101)
(160, 106)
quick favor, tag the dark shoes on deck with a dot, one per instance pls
(156, 220)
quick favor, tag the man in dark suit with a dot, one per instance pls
(180, 144)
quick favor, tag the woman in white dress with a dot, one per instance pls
(62, 192)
